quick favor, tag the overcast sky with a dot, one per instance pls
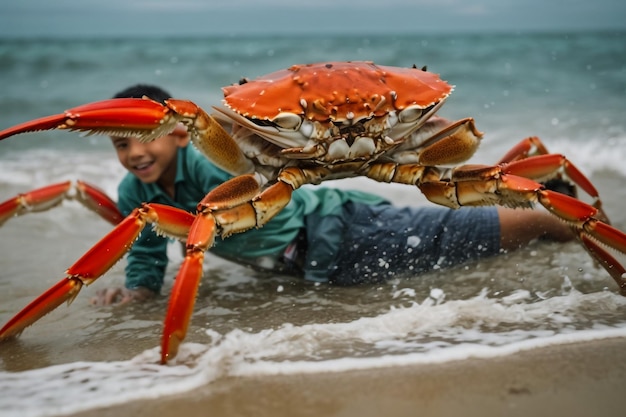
(228, 17)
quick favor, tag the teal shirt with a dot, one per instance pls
(195, 177)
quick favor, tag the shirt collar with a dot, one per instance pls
(180, 162)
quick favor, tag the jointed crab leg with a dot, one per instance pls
(473, 185)
(50, 196)
(530, 157)
(64, 290)
(99, 259)
(530, 146)
(235, 206)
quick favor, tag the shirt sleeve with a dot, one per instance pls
(147, 258)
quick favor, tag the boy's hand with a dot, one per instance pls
(120, 295)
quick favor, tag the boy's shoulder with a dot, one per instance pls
(130, 185)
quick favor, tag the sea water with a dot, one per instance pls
(567, 88)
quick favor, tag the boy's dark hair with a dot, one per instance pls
(140, 90)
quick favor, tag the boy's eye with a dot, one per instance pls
(120, 143)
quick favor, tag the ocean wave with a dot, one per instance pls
(291, 349)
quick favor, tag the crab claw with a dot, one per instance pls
(147, 120)
(123, 116)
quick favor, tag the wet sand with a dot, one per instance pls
(581, 379)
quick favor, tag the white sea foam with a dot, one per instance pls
(423, 333)
(34, 168)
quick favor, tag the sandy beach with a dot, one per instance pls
(581, 379)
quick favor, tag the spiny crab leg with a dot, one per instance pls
(147, 120)
(47, 197)
(608, 262)
(98, 201)
(99, 259)
(235, 206)
(527, 147)
(589, 229)
(472, 185)
(531, 158)
(549, 166)
(37, 200)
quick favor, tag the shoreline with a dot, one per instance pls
(577, 379)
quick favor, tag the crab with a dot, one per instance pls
(305, 125)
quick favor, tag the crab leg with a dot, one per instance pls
(527, 147)
(99, 259)
(50, 196)
(479, 185)
(548, 165)
(97, 201)
(515, 185)
(37, 200)
(233, 207)
(610, 264)
(147, 120)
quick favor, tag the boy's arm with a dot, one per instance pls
(120, 295)
(146, 262)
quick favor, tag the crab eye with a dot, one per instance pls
(289, 121)
(410, 114)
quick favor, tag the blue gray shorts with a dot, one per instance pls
(380, 242)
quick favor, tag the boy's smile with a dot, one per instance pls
(143, 170)
(152, 162)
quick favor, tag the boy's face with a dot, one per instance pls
(151, 161)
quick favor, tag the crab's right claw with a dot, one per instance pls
(121, 116)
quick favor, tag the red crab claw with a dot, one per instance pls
(99, 259)
(47, 197)
(123, 115)
(147, 120)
